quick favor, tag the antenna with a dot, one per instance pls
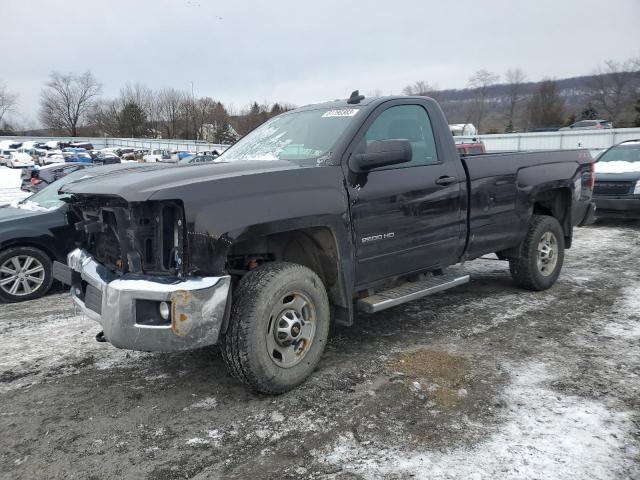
(355, 97)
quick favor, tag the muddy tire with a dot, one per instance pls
(25, 274)
(541, 255)
(278, 327)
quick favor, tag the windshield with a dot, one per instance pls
(301, 135)
(622, 153)
(49, 198)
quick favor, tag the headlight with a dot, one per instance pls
(636, 191)
(76, 258)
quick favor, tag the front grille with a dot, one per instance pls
(613, 188)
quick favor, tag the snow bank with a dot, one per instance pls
(10, 186)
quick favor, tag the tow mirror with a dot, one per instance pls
(381, 153)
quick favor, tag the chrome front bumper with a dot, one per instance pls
(197, 305)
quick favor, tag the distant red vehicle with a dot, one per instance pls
(471, 148)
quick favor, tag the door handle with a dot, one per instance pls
(445, 180)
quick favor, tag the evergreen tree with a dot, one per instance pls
(509, 128)
(131, 120)
(589, 113)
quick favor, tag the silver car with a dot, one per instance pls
(589, 125)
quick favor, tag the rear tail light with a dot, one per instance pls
(35, 181)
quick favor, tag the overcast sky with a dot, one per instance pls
(302, 51)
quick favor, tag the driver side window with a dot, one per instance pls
(406, 122)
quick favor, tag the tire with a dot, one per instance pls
(541, 255)
(261, 324)
(26, 287)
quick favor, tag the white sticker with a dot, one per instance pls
(343, 112)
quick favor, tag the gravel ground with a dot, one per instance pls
(484, 381)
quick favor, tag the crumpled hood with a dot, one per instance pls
(141, 183)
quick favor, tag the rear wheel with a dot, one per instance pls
(278, 327)
(541, 254)
(25, 274)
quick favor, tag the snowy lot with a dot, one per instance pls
(10, 185)
(482, 382)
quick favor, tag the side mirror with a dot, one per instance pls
(381, 153)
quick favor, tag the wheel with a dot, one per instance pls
(25, 274)
(541, 255)
(278, 327)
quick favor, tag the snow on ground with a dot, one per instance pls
(546, 436)
(10, 185)
(55, 345)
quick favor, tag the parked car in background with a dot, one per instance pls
(157, 156)
(470, 146)
(589, 125)
(53, 156)
(72, 154)
(85, 145)
(617, 185)
(5, 155)
(197, 159)
(19, 160)
(106, 158)
(36, 178)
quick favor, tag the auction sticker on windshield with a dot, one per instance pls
(343, 112)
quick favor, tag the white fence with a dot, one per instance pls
(146, 143)
(503, 142)
(561, 140)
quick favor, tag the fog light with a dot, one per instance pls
(165, 311)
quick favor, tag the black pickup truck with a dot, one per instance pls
(326, 210)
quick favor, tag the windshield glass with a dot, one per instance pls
(622, 153)
(302, 135)
(49, 198)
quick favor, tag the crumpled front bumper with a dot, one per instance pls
(198, 305)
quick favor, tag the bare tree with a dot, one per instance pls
(610, 89)
(66, 100)
(421, 88)
(514, 95)
(480, 82)
(8, 100)
(546, 106)
(171, 108)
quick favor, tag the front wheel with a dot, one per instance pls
(25, 274)
(541, 255)
(278, 327)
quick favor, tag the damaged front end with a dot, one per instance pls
(131, 276)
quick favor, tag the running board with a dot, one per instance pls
(408, 292)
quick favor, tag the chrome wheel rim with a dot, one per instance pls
(547, 254)
(21, 275)
(291, 328)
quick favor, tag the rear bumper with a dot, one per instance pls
(618, 207)
(589, 216)
(197, 305)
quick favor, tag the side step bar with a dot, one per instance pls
(408, 292)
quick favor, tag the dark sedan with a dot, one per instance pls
(37, 231)
(617, 187)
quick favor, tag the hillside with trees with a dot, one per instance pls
(72, 104)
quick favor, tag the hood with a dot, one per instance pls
(9, 213)
(618, 171)
(141, 183)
